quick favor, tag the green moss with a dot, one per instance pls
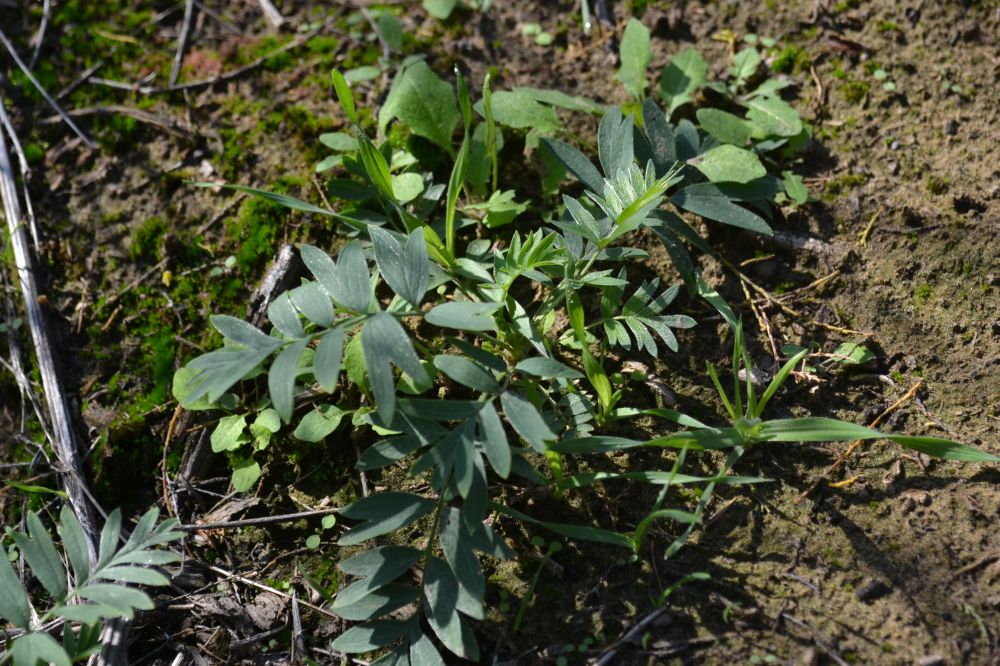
(886, 26)
(841, 184)
(923, 293)
(845, 5)
(937, 185)
(255, 230)
(855, 91)
(34, 152)
(145, 242)
(791, 59)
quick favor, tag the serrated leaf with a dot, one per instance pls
(318, 424)
(464, 315)
(525, 419)
(636, 54)
(383, 513)
(729, 164)
(424, 103)
(384, 341)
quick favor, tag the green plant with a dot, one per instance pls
(96, 588)
(470, 360)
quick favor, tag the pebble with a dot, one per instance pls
(932, 660)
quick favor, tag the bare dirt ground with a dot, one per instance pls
(900, 565)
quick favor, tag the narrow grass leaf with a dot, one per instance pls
(582, 532)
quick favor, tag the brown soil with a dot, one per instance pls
(900, 565)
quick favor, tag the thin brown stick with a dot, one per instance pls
(45, 93)
(857, 443)
(263, 520)
(64, 442)
(168, 125)
(182, 41)
(268, 588)
(203, 83)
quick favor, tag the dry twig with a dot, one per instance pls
(857, 443)
(45, 93)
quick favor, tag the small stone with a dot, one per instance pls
(872, 590)
(894, 145)
(932, 660)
